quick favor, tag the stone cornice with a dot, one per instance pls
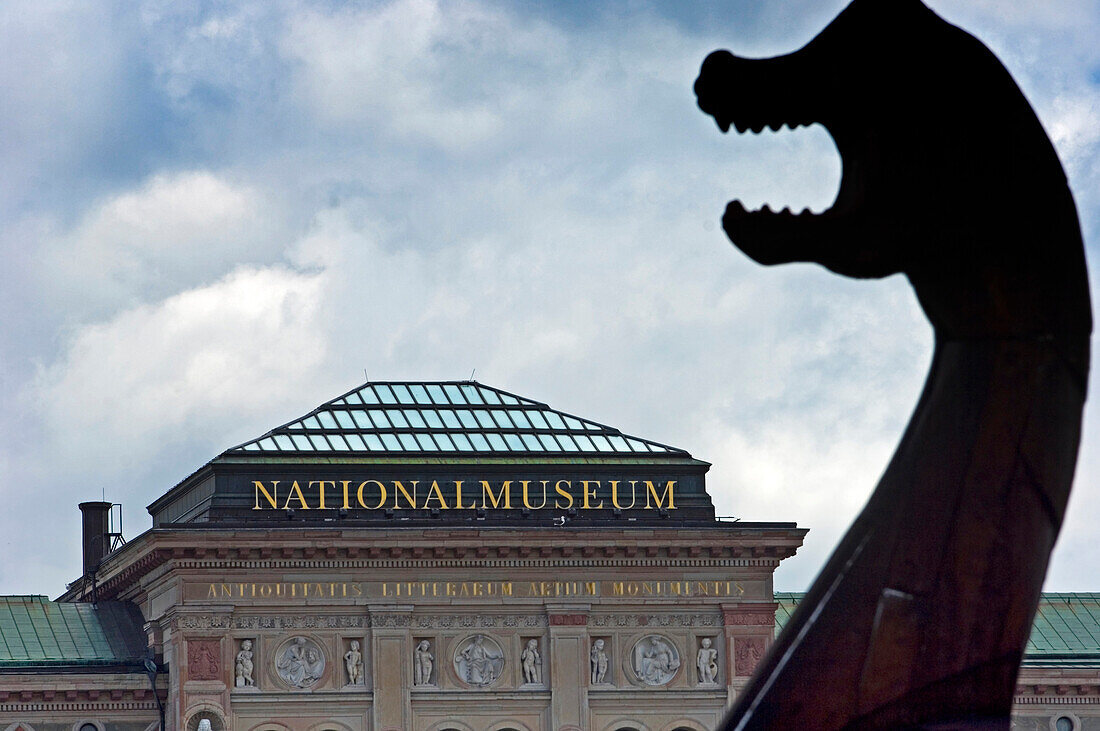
(444, 549)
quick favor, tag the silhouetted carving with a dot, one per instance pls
(920, 617)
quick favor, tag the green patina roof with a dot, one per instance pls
(1066, 631)
(35, 631)
(435, 418)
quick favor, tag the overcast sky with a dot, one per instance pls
(214, 217)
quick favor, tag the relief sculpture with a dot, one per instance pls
(479, 660)
(655, 660)
(300, 663)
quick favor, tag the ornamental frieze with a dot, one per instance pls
(654, 620)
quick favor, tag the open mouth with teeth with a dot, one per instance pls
(754, 95)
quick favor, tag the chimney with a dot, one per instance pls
(96, 542)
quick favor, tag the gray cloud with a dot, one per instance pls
(419, 189)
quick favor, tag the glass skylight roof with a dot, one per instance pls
(459, 417)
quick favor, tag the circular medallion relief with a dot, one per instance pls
(300, 662)
(479, 660)
(654, 660)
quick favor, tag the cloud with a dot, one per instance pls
(126, 388)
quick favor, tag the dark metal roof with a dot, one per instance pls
(1066, 631)
(37, 632)
(446, 418)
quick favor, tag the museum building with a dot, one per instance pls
(432, 556)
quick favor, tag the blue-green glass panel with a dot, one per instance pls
(284, 442)
(549, 442)
(251, 447)
(319, 442)
(379, 418)
(327, 422)
(584, 443)
(361, 419)
(391, 442)
(419, 394)
(554, 420)
(369, 396)
(426, 443)
(571, 422)
(531, 442)
(536, 419)
(296, 425)
(375, 443)
(337, 443)
(510, 400)
(484, 420)
(355, 441)
(408, 442)
(637, 446)
(471, 394)
(436, 392)
(489, 396)
(450, 420)
(415, 420)
(514, 442)
(444, 443)
(619, 444)
(397, 418)
(432, 418)
(467, 418)
(454, 395)
(311, 423)
(343, 418)
(385, 395)
(566, 443)
(353, 398)
(462, 442)
(601, 443)
(480, 443)
(497, 442)
(520, 419)
(403, 395)
(501, 418)
(301, 442)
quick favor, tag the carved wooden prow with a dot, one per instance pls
(920, 617)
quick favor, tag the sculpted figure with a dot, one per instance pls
(243, 668)
(532, 662)
(480, 661)
(204, 725)
(301, 664)
(422, 663)
(706, 661)
(949, 180)
(598, 659)
(353, 660)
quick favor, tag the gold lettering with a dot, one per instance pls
(434, 491)
(527, 503)
(296, 492)
(357, 589)
(563, 493)
(669, 493)
(506, 588)
(227, 590)
(265, 590)
(410, 499)
(590, 588)
(458, 498)
(505, 492)
(590, 493)
(273, 500)
(615, 495)
(618, 589)
(212, 593)
(321, 491)
(347, 501)
(381, 495)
